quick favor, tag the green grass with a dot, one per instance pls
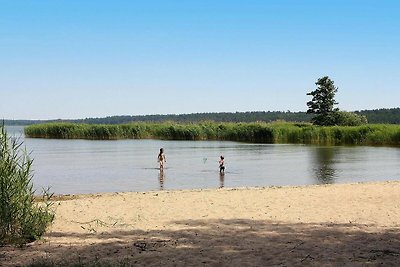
(258, 132)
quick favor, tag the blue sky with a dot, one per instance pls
(78, 59)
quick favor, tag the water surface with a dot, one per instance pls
(85, 166)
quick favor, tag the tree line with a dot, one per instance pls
(389, 116)
(384, 115)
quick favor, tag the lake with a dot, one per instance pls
(86, 166)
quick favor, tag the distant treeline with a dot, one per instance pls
(386, 116)
(255, 132)
(265, 116)
(24, 122)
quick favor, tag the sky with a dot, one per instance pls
(70, 59)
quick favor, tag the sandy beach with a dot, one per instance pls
(325, 225)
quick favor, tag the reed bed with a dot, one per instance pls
(22, 219)
(257, 132)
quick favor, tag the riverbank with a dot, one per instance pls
(353, 224)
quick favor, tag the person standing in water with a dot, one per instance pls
(161, 159)
(221, 164)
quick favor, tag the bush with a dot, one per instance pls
(340, 118)
(343, 118)
(22, 219)
(325, 119)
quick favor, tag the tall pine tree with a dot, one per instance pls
(323, 102)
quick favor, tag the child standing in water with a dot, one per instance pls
(161, 159)
(221, 164)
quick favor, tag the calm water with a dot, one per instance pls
(83, 166)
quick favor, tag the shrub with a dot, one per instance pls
(344, 118)
(324, 119)
(22, 219)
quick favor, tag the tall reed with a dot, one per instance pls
(256, 132)
(21, 218)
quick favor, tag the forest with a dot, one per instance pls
(376, 116)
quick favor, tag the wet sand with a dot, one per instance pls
(325, 225)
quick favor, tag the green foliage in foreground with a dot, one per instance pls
(22, 219)
(278, 132)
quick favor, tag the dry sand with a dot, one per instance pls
(326, 225)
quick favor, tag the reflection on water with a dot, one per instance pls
(221, 179)
(323, 168)
(84, 166)
(161, 177)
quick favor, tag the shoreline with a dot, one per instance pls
(65, 197)
(341, 224)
